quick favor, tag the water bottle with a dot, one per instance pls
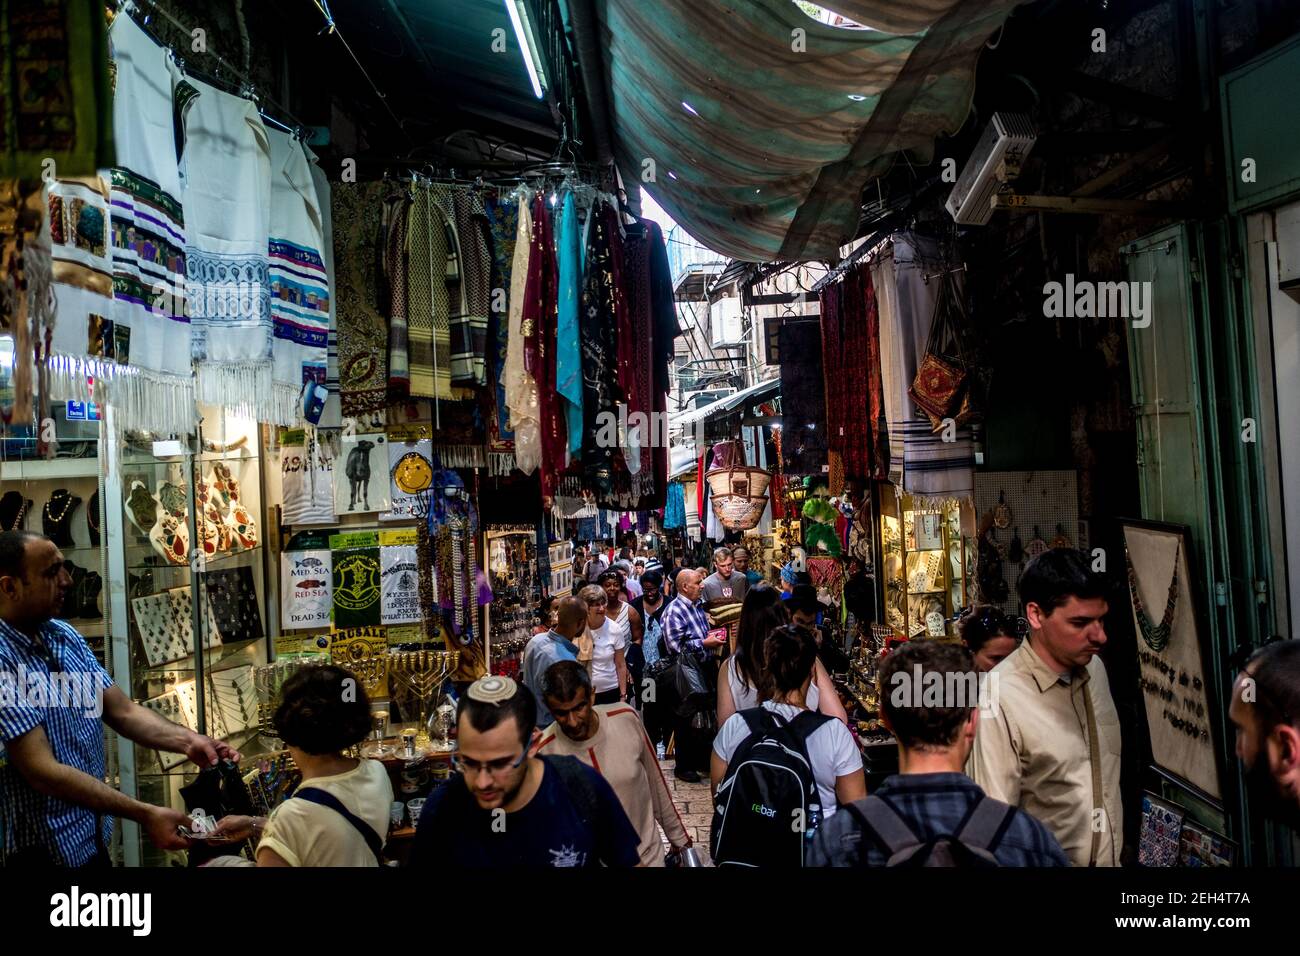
(814, 821)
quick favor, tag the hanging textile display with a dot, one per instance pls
(355, 562)
(331, 416)
(635, 358)
(81, 245)
(226, 195)
(469, 327)
(521, 396)
(362, 330)
(568, 347)
(597, 324)
(921, 463)
(803, 399)
(300, 292)
(54, 89)
(537, 327)
(847, 358)
(145, 324)
(399, 577)
(675, 509)
(431, 267)
(306, 589)
(395, 225)
(503, 220)
(664, 327)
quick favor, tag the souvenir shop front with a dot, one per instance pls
(277, 405)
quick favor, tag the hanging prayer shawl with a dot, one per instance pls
(520, 386)
(300, 292)
(503, 218)
(433, 292)
(362, 331)
(332, 416)
(537, 326)
(470, 327)
(568, 354)
(921, 463)
(803, 399)
(146, 324)
(395, 226)
(54, 89)
(226, 194)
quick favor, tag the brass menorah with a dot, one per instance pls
(371, 671)
(420, 673)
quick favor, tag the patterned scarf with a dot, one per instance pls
(470, 328)
(520, 386)
(597, 327)
(503, 218)
(396, 212)
(362, 331)
(538, 328)
(226, 195)
(431, 270)
(568, 359)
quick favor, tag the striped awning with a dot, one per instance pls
(759, 139)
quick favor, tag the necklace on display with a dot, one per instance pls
(22, 513)
(1156, 635)
(67, 506)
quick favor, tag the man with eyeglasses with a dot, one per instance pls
(1052, 743)
(55, 697)
(1265, 710)
(511, 808)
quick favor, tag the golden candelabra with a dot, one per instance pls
(420, 674)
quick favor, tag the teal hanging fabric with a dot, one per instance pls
(675, 507)
(568, 350)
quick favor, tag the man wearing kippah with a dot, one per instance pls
(511, 808)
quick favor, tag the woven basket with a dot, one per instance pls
(738, 495)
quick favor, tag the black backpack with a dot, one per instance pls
(972, 845)
(768, 779)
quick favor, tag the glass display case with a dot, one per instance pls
(926, 564)
(516, 593)
(188, 590)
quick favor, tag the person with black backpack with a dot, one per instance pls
(511, 808)
(778, 770)
(930, 813)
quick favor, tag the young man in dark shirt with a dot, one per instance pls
(510, 808)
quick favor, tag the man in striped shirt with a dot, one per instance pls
(686, 630)
(610, 739)
(55, 697)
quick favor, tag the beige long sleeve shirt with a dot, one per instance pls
(1031, 751)
(621, 752)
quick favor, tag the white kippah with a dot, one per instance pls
(493, 689)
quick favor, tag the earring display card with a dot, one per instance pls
(356, 576)
(410, 472)
(306, 589)
(233, 695)
(1162, 825)
(170, 707)
(232, 597)
(400, 576)
(361, 481)
(1042, 498)
(166, 625)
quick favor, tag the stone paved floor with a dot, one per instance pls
(695, 806)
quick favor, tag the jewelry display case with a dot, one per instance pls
(189, 593)
(516, 593)
(926, 566)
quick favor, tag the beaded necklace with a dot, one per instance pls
(1156, 635)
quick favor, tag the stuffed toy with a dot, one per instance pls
(820, 534)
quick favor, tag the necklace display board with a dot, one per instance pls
(1029, 511)
(1180, 704)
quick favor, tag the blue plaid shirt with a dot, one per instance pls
(72, 719)
(685, 625)
(933, 805)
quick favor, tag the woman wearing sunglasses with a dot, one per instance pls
(990, 635)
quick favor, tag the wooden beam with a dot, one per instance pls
(1123, 168)
(1019, 202)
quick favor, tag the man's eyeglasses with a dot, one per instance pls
(994, 621)
(494, 768)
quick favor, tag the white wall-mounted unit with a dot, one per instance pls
(1005, 143)
(726, 323)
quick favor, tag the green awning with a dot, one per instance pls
(759, 139)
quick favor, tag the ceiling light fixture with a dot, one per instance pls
(690, 109)
(524, 35)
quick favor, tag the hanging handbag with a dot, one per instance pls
(941, 375)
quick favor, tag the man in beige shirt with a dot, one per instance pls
(610, 739)
(1049, 740)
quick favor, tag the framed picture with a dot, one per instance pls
(1178, 695)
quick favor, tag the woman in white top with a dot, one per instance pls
(741, 686)
(323, 711)
(608, 648)
(789, 655)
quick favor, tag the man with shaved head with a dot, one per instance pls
(686, 631)
(554, 645)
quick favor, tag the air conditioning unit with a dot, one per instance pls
(726, 322)
(1006, 142)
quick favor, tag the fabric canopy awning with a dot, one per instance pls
(746, 396)
(758, 139)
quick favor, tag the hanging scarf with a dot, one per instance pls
(568, 357)
(300, 291)
(597, 324)
(469, 329)
(537, 327)
(226, 195)
(641, 433)
(503, 218)
(520, 387)
(54, 89)
(662, 330)
(396, 212)
(331, 417)
(145, 325)
(431, 277)
(921, 463)
(362, 331)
